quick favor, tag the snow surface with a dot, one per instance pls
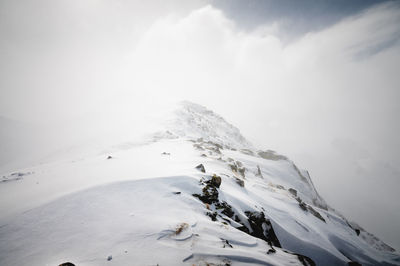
(137, 207)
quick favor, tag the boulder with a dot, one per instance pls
(201, 168)
(293, 191)
(215, 181)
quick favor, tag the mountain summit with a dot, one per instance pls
(195, 121)
(194, 193)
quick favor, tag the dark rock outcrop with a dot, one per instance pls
(215, 181)
(293, 191)
(201, 168)
(239, 181)
(210, 192)
(258, 173)
(305, 207)
(257, 224)
(315, 213)
(306, 261)
(261, 228)
(237, 167)
(353, 263)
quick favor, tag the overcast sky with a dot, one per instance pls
(315, 80)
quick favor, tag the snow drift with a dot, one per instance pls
(195, 193)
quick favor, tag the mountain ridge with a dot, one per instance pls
(195, 193)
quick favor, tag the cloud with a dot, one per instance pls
(338, 85)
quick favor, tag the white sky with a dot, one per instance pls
(328, 98)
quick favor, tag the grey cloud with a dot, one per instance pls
(294, 17)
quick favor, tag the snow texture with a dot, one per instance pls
(137, 205)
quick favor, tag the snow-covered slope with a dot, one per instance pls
(196, 193)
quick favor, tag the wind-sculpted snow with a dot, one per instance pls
(136, 222)
(201, 195)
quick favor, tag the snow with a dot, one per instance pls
(138, 208)
(139, 217)
(195, 121)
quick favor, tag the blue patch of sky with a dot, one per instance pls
(295, 17)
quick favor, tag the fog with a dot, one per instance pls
(325, 95)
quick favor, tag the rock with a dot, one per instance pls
(220, 159)
(271, 155)
(315, 213)
(109, 157)
(237, 169)
(201, 168)
(212, 215)
(226, 243)
(240, 182)
(219, 146)
(212, 146)
(15, 176)
(355, 227)
(18, 174)
(210, 192)
(226, 208)
(198, 146)
(300, 174)
(247, 152)
(258, 173)
(241, 171)
(262, 228)
(109, 258)
(353, 263)
(67, 264)
(293, 191)
(177, 192)
(209, 196)
(271, 250)
(303, 206)
(215, 181)
(165, 153)
(306, 207)
(305, 260)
